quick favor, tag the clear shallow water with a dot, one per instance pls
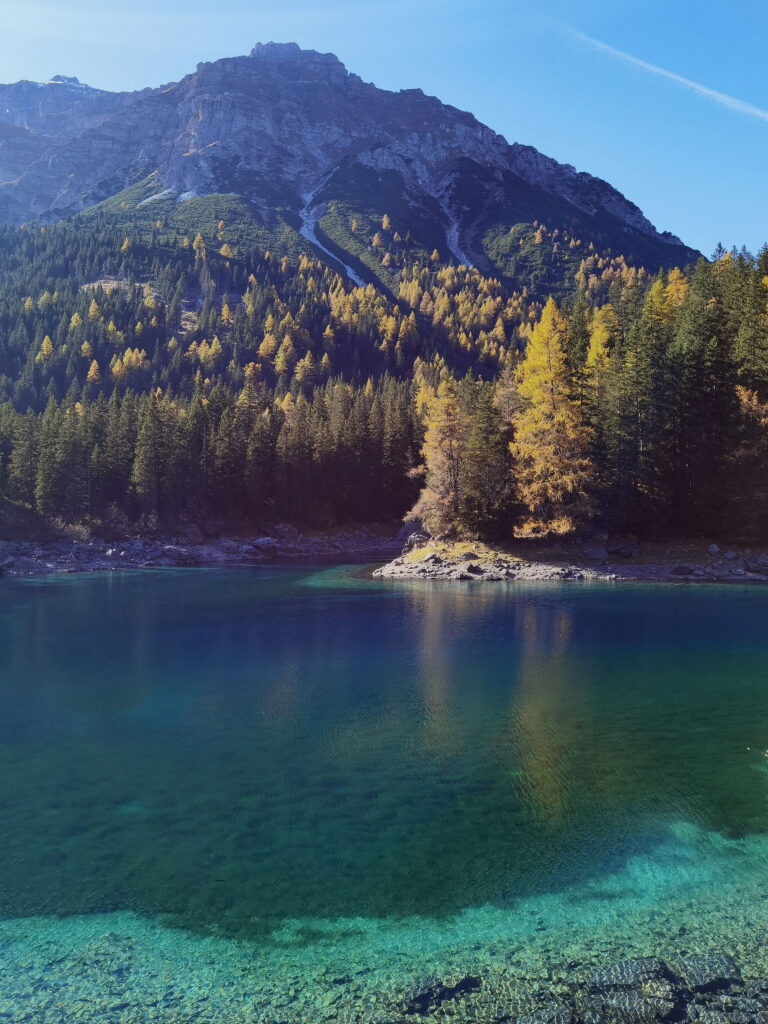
(289, 793)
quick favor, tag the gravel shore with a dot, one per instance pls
(31, 558)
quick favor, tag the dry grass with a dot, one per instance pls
(459, 550)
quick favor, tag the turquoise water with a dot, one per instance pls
(287, 794)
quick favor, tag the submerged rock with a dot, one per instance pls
(627, 973)
(549, 1013)
(427, 995)
(707, 972)
(630, 1007)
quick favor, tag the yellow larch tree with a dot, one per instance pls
(554, 473)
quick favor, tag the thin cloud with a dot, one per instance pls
(739, 106)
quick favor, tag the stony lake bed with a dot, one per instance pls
(297, 794)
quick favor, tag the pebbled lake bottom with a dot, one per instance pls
(289, 795)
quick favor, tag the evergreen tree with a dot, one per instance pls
(439, 504)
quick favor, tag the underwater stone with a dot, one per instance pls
(429, 994)
(707, 972)
(630, 1007)
(627, 973)
(551, 1013)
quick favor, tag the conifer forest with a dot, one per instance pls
(153, 377)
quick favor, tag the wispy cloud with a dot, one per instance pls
(739, 106)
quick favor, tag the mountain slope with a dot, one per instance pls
(318, 157)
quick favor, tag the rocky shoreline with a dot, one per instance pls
(101, 981)
(33, 558)
(416, 557)
(426, 559)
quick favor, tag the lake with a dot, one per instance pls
(288, 793)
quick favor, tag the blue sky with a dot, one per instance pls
(668, 102)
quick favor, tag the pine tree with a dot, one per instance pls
(147, 469)
(439, 505)
(486, 491)
(22, 469)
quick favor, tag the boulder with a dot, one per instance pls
(624, 547)
(706, 971)
(175, 555)
(627, 973)
(415, 540)
(638, 991)
(548, 1013)
(266, 543)
(598, 552)
(713, 549)
(628, 1006)
(682, 570)
(427, 995)
(731, 556)
(626, 551)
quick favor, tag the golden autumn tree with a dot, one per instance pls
(46, 350)
(553, 470)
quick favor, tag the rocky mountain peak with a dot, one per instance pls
(279, 51)
(292, 131)
(293, 53)
(65, 80)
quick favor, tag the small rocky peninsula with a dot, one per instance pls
(600, 558)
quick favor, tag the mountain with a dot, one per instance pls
(304, 155)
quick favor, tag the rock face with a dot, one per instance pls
(291, 130)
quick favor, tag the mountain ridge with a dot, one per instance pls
(307, 143)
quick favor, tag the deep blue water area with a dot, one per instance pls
(306, 770)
